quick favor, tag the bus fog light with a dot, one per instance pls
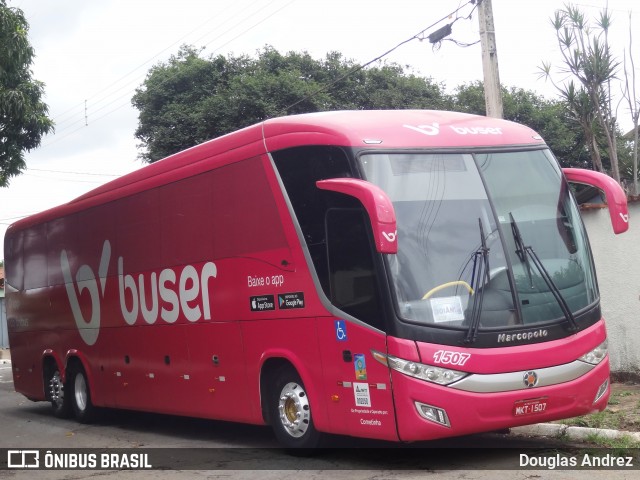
(596, 355)
(433, 414)
(601, 391)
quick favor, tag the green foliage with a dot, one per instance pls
(23, 114)
(547, 117)
(587, 58)
(618, 446)
(190, 99)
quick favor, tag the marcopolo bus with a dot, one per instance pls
(397, 275)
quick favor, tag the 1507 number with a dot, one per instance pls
(446, 357)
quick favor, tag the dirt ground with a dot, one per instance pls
(624, 404)
(622, 412)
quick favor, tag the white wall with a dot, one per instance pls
(617, 259)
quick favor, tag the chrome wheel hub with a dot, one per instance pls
(80, 392)
(294, 410)
(56, 389)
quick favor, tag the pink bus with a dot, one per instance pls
(397, 275)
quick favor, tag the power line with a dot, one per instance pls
(600, 7)
(418, 36)
(137, 79)
(356, 69)
(99, 93)
(72, 173)
(250, 28)
(56, 140)
(95, 182)
(14, 218)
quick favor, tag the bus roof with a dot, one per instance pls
(382, 129)
(396, 129)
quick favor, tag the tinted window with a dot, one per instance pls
(319, 211)
(351, 271)
(300, 169)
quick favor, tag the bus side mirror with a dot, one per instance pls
(615, 196)
(377, 204)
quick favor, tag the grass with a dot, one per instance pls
(622, 413)
(616, 416)
(622, 442)
(602, 419)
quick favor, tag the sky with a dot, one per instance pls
(92, 55)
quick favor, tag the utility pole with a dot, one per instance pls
(492, 93)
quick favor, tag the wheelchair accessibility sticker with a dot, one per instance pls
(341, 330)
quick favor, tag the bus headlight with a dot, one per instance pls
(429, 373)
(595, 356)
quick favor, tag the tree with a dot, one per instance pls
(547, 117)
(588, 58)
(190, 99)
(23, 114)
(629, 93)
(581, 110)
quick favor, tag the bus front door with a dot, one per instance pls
(359, 387)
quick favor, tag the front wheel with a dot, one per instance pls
(83, 408)
(291, 411)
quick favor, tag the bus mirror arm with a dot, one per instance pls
(377, 204)
(615, 196)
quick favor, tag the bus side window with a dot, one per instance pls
(300, 168)
(352, 277)
(13, 256)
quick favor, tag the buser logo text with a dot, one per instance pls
(171, 293)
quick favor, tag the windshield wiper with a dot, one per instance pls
(521, 250)
(524, 253)
(480, 273)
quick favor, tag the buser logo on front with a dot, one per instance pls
(164, 295)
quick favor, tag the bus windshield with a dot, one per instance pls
(487, 240)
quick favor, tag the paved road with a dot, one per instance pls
(220, 449)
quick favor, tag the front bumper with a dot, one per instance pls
(470, 412)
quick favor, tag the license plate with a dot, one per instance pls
(530, 407)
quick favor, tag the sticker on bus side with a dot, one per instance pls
(341, 330)
(361, 393)
(290, 300)
(360, 366)
(262, 303)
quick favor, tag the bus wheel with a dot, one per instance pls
(291, 412)
(83, 409)
(60, 403)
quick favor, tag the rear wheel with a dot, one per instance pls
(83, 408)
(290, 411)
(57, 391)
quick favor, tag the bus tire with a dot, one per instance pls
(83, 408)
(290, 411)
(58, 394)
